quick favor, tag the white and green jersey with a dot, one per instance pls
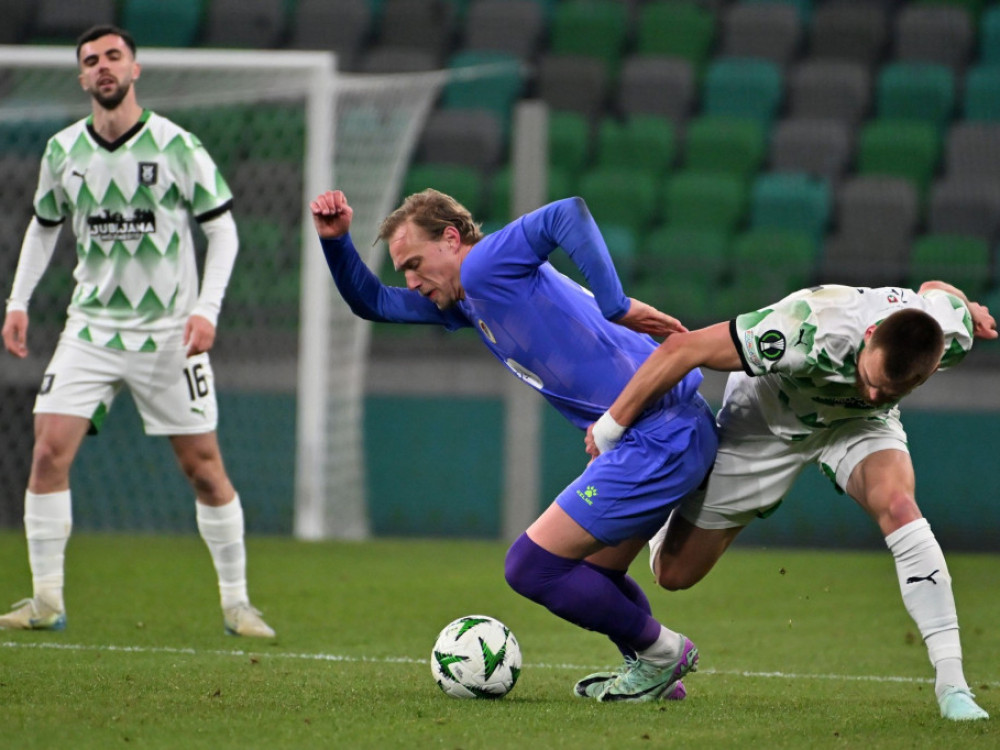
(130, 204)
(806, 347)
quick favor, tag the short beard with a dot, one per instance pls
(111, 102)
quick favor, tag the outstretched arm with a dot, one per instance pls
(710, 347)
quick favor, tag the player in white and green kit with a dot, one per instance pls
(129, 182)
(816, 378)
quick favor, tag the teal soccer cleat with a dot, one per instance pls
(33, 614)
(644, 681)
(957, 704)
(592, 685)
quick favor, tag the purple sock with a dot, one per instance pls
(627, 585)
(578, 593)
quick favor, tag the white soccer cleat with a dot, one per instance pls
(246, 621)
(957, 704)
(33, 614)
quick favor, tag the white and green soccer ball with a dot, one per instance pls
(476, 657)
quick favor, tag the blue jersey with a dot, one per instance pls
(547, 329)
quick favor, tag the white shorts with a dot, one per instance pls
(754, 469)
(174, 394)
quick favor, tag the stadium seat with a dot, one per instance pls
(464, 184)
(590, 28)
(388, 59)
(283, 203)
(343, 26)
(464, 137)
(791, 201)
(255, 24)
(924, 92)
(847, 30)
(769, 263)
(428, 26)
(822, 148)
(968, 206)
(640, 142)
(158, 24)
(569, 143)
(60, 22)
(621, 196)
(829, 90)
(681, 270)
(770, 31)
(937, 34)
(275, 131)
(621, 244)
(989, 36)
(575, 83)
(496, 91)
(513, 27)
(722, 144)
(876, 218)
(704, 200)
(17, 16)
(981, 95)
(742, 87)
(28, 137)
(972, 149)
(962, 261)
(899, 148)
(499, 200)
(657, 85)
(675, 29)
(17, 189)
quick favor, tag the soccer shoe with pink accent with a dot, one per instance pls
(957, 704)
(33, 614)
(646, 681)
(592, 685)
(246, 621)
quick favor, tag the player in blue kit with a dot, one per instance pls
(578, 349)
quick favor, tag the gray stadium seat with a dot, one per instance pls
(830, 90)
(972, 149)
(655, 85)
(822, 148)
(342, 26)
(387, 59)
(876, 218)
(573, 83)
(772, 31)
(58, 21)
(256, 24)
(465, 137)
(934, 34)
(846, 30)
(516, 27)
(969, 207)
(425, 25)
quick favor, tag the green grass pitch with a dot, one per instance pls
(800, 649)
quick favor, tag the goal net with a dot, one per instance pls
(282, 126)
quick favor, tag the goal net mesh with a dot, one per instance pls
(283, 328)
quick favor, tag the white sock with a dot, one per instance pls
(926, 587)
(665, 649)
(48, 521)
(222, 529)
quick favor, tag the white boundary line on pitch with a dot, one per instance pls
(410, 660)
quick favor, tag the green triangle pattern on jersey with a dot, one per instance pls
(116, 343)
(145, 146)
(84, 334)
(85, 201)
(148, 254)
(119, 301)
(82, 147)
(148, 345)
(203, 201)
(171, 198)
(48, 208)
(150, 304)
(114, 198)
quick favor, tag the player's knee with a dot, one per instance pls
(899, 510)
(673, 580)
(49, 461)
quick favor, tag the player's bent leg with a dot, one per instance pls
(681, 554)
(201, 462)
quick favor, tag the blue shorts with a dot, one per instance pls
(628, 492)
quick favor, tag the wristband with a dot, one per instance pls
(607, 433)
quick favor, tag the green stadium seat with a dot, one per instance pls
(676, 29)
(464, 184)
(793, 201)
(924, 92)
(725, 144)
(569, 142)
(770, 263)
(159, 24)
(643, 142)
(621, 196)
(592, 28)
(973, 7)
(900, 148)
(499, 208)
(496, 91)
(704, 200)
(621, 244)
(989, 36)
(981, 96)
(682, 254)
(958, 260)
(742, 87)
(276, 131)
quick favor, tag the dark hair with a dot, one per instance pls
(106, 29)
(913, 344)
(432, 211)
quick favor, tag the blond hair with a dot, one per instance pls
(432, 211)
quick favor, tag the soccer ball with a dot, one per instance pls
(476, 657)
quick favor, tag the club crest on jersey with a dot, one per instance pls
(117, 226)
(148, 172)
(771, 345)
